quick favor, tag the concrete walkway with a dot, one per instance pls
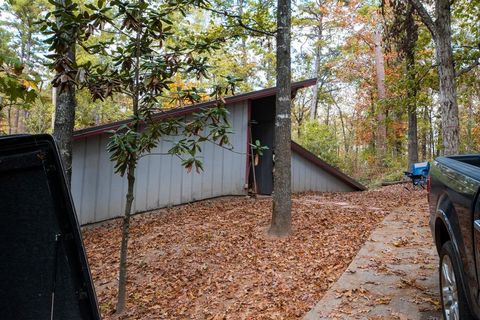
(393, 276)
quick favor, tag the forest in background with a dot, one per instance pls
(374, 63)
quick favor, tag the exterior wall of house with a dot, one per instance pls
(306, 176)
(161, 181)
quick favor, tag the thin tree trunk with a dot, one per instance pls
(412, 132)
(335, 134)
(380, 72)
(409, 50)
(340, 113)
(282, 202)
(122, 277)
(243, 42)
(373, 139)
(17, 119)
(439, 139)
(470, 123)
(432, 140)
(318, 56)
(28, 54)
(9, 119)
(397, 140)
(424, 140)
(327, 116)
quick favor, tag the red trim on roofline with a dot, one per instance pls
(325, 166)
(178, 112)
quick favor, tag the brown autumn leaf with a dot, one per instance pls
(212, 258)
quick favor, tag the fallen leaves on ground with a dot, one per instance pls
(399, 263)
(213, 260)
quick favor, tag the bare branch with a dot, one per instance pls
(425, 17)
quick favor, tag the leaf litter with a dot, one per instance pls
(212, 259)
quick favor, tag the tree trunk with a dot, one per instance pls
(424, 138)
(340, 113)
(9, 119)
(412, 133)
(409, 50)
(318, 56)
(380, 72)
(17, 120)
(327, 116)
(441, 31)
(64, 125)
(446, 76)
(439, 141)
(397, 139)
(65, 105)
(282, 202)
(372, 142)
(470, 123)
(28, 54)
(243, 42)
(122, 278)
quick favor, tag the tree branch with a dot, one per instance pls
(425, 17)
(467, 69)
(239, 21)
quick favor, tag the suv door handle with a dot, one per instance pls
(476, 225)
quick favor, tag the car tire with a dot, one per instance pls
(453, 298)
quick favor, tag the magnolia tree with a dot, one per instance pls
(134, 54)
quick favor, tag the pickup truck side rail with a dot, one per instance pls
(463, 164)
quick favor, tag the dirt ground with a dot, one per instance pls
(213, 260)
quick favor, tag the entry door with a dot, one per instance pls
(264, 169)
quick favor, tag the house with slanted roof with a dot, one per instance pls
(99, 193)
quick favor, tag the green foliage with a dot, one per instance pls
(40, 116)
(7, 54)
(89, 113)
(321, 140)
(141, 64)
(196, 46)
(16, 87)
(257, 148)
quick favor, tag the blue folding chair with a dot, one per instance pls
(418, 174)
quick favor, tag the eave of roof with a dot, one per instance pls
(178, 112)
(325, 166)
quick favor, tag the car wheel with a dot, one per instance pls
(454, 302)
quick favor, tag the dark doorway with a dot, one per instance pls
(263, 127)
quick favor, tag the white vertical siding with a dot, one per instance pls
(99, 194)
(306, 176)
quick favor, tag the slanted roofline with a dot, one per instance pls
(178, 112)
(326, 167)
